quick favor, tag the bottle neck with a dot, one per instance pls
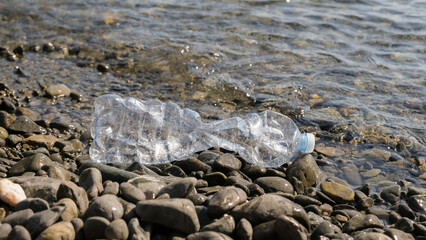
(303, 142)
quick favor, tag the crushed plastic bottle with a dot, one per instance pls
(127, 130)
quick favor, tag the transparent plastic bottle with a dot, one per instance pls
(126, 130)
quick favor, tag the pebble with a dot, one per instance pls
(111, 188)
(244, 230)
(35, 204)
(192, 165)
(371, 236)
(225, 225)
(41, 140)
(19, 233)
(148, 183)
(107, 206)
(417, 203)
(208, 235)
(178, 214)
(103, 68)
(41, 220)
(70, 190)
(305, 170)
(24, 124)
(338, 192)
(305, 200)
(91, 180)
(3, 133)
(117, 229)
(227, 162)
(5, 230)
(6, 119)
(254, 171)
(18, 218)
(324, 228)
(288, 228)
(108, 172)
(358, 223)
(391, 194)
(224, 200)
(396, 234)
(275, 184)
(94, 227)
(265, 231)
(215, 178)
(180, 188)
(406, 211)
(71, 210)
(32, 163)
(60, 230)
(78, 225)
(11, 193)
(405, 224)
(131, 193)
(57, 90)
(269, 207)
(352, 175)
(136, 231)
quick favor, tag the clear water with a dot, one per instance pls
(340, 68)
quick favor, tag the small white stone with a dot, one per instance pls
(11, 193)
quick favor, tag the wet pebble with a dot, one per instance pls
(288, 228)
(244, 230)
(358, 223)
(405, 224)
(338, 192)
(417, 203)
(372, 235)
(180, 188)
(176, 213)
(225, 200)
(305, 170)
(396, 234)
(38, 187)
(208, 235)
(225, 225)
(391, 194)
(103, 68)
(107, 206)
(275, 184)
(227, 162)
(24, 124)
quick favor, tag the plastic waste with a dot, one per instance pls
(126, 130)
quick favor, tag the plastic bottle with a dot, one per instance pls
(151, 132)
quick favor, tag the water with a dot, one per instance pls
(351, 71)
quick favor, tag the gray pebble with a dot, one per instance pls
(225, 200)
(117, 229)
(288, 228)
(91, 180)
(227, 162)
(77, 194)
(180, 188)
(131, 193)
(5, 230)
(19, 233)
(358, 223)
(18, 218)
(405, 224)
(208, 235)
(111, 188)
(42, 220)
(35, 204)
(275, 184)
(94, 227)
(244, 230)
(136, 231)
(225, 225)
(107, 206)
(391, 194)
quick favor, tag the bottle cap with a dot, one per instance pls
(311, 143)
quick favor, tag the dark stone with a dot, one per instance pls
(19, 233)
(117, 229)
(94, 227)
(391, 194)
(24, 124)
(106, 206)
(7, 105)
(174, 171)
(244, 230)
(405, 224)
(254, 171)
(18, 218)
(225, 200)
(78, 225)
(225, 225)
(48, 47)
(32, 163)
(396, 234)
(91, 180)
(275, 184)
(35, 204)
(227, 162)
(269, 207)
(192, 165)
(178, 214)
(13, 139)
(208, 235)
(358, 223)
(306, 170)
(265, 231)
(417, 203)
(136, 231)
(6, 119)
(131, 193)
(323, 228)
(405, 211)
(288, 228)
(77, 194)
(305, 200)
(215, 178)
(109, 173)
(38, 187)
(42, 220)
(103, 68)
(180, 188)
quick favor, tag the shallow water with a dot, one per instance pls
(352, 71)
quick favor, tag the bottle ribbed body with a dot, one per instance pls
(126, 130)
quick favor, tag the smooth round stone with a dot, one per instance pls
(60, 230)
(371, 173)
(35, 204)
(57, 90)
(148, 183)
(136, 231)
(352, 175)
(5, 229)
(208, 235)
(225, 200)
(225, 225)
(19, 232)
(32, 163)
(3, 133)
(371, 236)
(107, 206)
(227, 162)
(117, 229)
(305, 200)
(254, 171)
(192, 165)
(180, 188)
(265, 231)
(11, 193)
(174, 171)
(94, 227)
(78, 225)
(417, 203)
(397, 234)
(275, 184)
(338, 192)
(269, 207)
(406, 211)
(58, 172)
(391, 194)
(77, 194)
(305, 170)
(323, 228)
(131, 193)
(6, 119)
(42, 220)
(112, 188)
(42, 140)
(178, 214)
(358, 223)
(215, 178)
(91, 180)
(244, 230)
(71, 210)
(405, 224)
(18, 218)
(38, 187)
(288, 227)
